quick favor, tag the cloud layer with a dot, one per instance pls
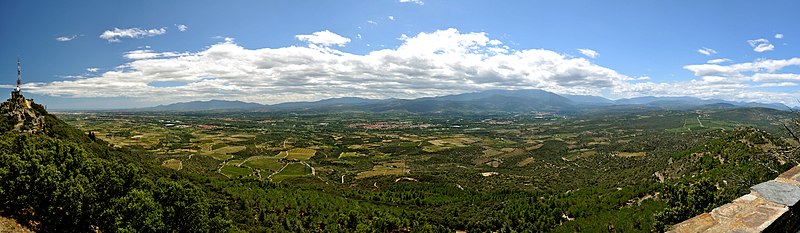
(324, 38)
(427, 64)
(118, 33)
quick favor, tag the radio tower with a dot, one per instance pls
(19, 75)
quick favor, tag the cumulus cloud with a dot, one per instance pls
(778, 36)
(182, 27)
(65, 38)
(740, 81)
(92, 69)
(325, 38)
(118, 33)
(418, 2)
(589, 53)
(719, 61)
(761, 45)
(426, 64)
(706, 51)
(391, 17)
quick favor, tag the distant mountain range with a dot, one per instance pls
(204, 105)
(484, 101)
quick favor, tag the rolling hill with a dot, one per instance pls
(483, 101)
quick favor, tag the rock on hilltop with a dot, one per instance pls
(23, 114)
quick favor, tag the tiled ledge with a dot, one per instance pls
(770, 207)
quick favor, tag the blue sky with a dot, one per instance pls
(157, 52)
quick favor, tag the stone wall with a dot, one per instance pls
(769, 207)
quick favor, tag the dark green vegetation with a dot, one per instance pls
(620, 171)
(64, 181)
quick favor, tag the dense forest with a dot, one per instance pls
(70, 181)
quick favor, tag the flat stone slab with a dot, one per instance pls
(762, 217)
(699, 223)
(746, 198)
(778, 192)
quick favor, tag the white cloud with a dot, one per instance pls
(92, 69)
(778, 36)
(65, 38)
(770, 77)
(589, 53)
(358, 36)
(741, 81)
(783, 84)
(761, 45)
(718, 61)
(418, 2)
(706, 51)
(150, 54)
(764, 47)
(754, 43)
(391, 17)
(372, 22)
(768, 66)
(324, 38)
(427, 64)
(181, 27)
(118, 33)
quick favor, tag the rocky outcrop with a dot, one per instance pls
(23, 114)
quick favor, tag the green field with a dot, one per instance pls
(298, 153)
(235, 172)
(221, 157)
(704, 124)
(217, 146)
(264, 163)
(228, 149)
(631, 154)
(385, 169)
(584, 153)
(350, 154)
(292, 170)
(172, 163)
(574, 173)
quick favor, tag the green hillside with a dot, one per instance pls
(512, 174)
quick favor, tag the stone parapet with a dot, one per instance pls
(769, 207)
